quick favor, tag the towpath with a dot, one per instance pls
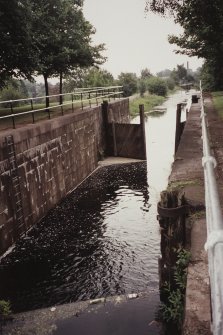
(187, 173)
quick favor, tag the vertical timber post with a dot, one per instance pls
(178, 129)
(142, 124)
(104, 109)
(115, 151)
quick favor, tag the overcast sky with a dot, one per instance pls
(134, 40)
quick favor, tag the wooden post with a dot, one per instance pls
(104, 109)
(178, 132)
(172, 210)
(114, 139)
(142, 123)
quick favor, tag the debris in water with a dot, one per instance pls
(132, 296)
(154, 323)
(53, 309)
(97, 301)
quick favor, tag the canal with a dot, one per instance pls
(103, 239)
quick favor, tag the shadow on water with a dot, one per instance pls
(94, 243)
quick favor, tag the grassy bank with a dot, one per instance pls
(149, 101)
(218, 102)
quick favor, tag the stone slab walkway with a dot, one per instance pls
(187, 172)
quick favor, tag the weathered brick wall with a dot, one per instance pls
(53, 157)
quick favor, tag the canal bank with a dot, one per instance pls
(161, 139)
(187, 177)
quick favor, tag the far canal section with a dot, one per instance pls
(102, 241)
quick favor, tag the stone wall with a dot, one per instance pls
(53, 157)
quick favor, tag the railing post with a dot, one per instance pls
(12, 112)
(82, 106)
(33, 117)
(72, 99)
(89, 99)
(96, 98)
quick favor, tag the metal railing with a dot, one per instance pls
(80, 98)
(214, 244)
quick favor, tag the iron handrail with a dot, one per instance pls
(76, 91)
(56, 106)
(214, 244)
(86, 95)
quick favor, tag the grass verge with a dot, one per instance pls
(149, 101)
(218, 102)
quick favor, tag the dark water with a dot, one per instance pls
(97, 242)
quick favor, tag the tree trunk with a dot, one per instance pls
(46, 90)
(61, 88)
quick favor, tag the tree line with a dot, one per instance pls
(202, 36)
(158, 84)
(46, 37)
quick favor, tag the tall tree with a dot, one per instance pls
(64, 38)
(202, 21)
(145, 73)
(17, 51)
(129, 82)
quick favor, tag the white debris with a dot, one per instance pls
(53, 309)
(132, 296)
(97, 301)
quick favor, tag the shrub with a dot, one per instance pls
(10, 93)
(142, 87)
(5, 308)
(157, 86)
(170, 83)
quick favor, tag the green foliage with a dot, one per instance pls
(149, 102)
(18, 51)
(157, 86)
(14, 90)
(203, 29)
(164, 73)
(46, 37)
(202, 23)
(170, 83)
(179, 74)
(129, 82)
(5, 308)
(164, 7)
(91, 77)
(145, 74)
(172, 310)
(142, 87)
(218, 102)
(98, 77)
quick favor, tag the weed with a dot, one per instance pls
(181, 184)
(5, 308)
(172, 310)
(218, 102)
(149, 101)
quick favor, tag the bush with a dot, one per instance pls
(157, 86)
(5, 308)
(129, 82)
(10, 93)
(142, 87)
(170, 83)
